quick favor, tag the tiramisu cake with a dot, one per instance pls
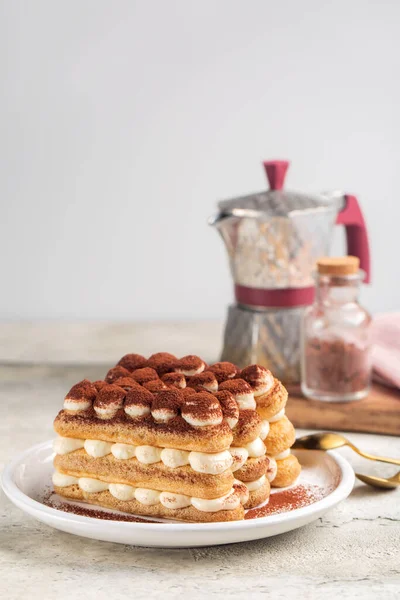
(175, 438)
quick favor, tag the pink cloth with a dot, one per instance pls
(385, 337)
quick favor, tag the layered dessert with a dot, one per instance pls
(174, 438)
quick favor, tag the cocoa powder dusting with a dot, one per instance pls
(144, 375)
(116, 373)
(82, 390)
(126, 383)
(287, 500)
(99, 384)
(155, 385)
(174, 379)
(109, 395)
(223, 370)
(255, 375)
(167, 399)
(162, 362)
(132, 362)
(236, 386)
(228, 404)
(201, 405)
(188, 391)
(207, 378)
(94, 513)
(189, 363)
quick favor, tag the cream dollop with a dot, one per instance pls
(174, 458)
(148, 454)
(163, 415)
(190, 372)
(77, 404)
(265, 384)
(232, 422)
(211, 387)
(147, 497)
(242, 490)
(240, 455)
(252, 486)
(256, 448)
(282, 455)
(278, 416)
(264, 429)
(207, 413)
(230, 501)
(65, 445)
(246, 401)
(106, 412)
(61, 480)
(174, 501)
(120, 491)
(197, 422)
(97, 448)
(137, 410)
(92, 486)
(213, 464)
(123, 451)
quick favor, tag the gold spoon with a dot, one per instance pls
(329, 441)
(380, 482)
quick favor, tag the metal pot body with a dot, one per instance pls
(268, 337)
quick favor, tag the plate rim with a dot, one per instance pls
(20, 499)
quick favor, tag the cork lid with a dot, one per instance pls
(338, 265)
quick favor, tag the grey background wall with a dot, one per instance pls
(122, 122)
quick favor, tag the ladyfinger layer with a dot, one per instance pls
(181, 479)
(176, 433)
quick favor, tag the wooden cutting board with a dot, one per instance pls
(378, 413)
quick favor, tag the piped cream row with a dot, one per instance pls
(201, 462)
(148, 497)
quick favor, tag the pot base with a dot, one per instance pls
(268, 337)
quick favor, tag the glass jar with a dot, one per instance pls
(336, 363)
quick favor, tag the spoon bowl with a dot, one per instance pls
(379, 482)
(329, 441)
(321, 441)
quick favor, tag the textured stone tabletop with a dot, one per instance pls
(352, 552)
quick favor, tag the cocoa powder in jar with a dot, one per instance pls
(336, 365)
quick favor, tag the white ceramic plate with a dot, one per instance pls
(27, 480)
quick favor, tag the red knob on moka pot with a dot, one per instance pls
(276, 173)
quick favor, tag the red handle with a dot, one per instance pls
(356, 233)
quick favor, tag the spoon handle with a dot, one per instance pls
(391, 461)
